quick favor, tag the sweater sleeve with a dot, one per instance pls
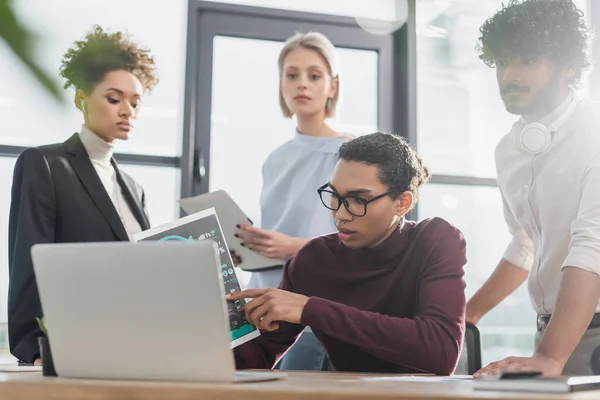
(265, 351)
(432, 340)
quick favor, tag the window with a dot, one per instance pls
(161, 189)
(235, 130)
(157, 156)
(238, 121)
(59, 25)
(377, 10)
(460, 120)
(461, 117)
(477, 212)
(29, 117)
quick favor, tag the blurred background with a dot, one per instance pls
(214, 116)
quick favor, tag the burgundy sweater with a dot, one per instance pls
(395, 308)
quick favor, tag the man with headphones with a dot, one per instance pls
(548, 169)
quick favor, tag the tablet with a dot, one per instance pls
(230, 215)
(205, 225)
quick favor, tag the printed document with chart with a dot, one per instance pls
(200, 226)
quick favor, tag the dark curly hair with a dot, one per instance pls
(551, 28)
(399, 166)
(86, 63)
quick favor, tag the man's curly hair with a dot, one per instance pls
(550, 28)
(86, 63)
(399, 166)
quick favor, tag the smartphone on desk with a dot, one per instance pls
(518, 375)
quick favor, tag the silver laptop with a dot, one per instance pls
(144, 311)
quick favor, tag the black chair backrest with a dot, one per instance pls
(595, 361)
(470, 356)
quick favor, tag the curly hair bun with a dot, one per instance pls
(86, 63)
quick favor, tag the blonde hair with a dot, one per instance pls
(317, 42)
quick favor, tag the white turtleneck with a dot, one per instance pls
(100, 153)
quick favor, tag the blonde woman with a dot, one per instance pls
(291, 210)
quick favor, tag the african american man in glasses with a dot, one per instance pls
(383, 294)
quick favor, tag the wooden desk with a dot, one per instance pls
(298, 386)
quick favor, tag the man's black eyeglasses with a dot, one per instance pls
(354, 204)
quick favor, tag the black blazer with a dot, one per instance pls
(57, 197)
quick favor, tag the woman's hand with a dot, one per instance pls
(235, 257)
(270, 244)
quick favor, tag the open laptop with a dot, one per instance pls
(149, 311)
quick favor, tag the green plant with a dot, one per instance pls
(21, 41)
(42, 324)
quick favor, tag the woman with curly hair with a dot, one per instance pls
(74, 191)
(548, 169)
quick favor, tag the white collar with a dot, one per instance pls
(98, 149)
(553, 115)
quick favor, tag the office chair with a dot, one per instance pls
(595, 361)
(469, 361)
(326, 365)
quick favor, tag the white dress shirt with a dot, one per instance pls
(100, 153)
(552, 201)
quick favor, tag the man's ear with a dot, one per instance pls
(404, 203)
(569, 72)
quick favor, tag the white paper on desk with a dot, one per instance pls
(20, 368)
(230, 215)
(420, 378)
(200, 226)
